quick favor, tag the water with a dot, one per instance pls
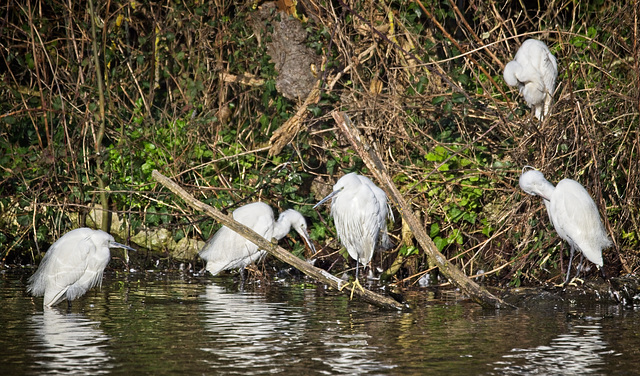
(152, 323)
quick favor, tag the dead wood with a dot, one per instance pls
(283, 135)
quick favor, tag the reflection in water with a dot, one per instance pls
(351, 354)
(69, 344)
(249, 335)
(169, 324)
(578, 352)
(247, 332)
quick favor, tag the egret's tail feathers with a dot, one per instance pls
(58, 296)
(216, 267)
(385, 241)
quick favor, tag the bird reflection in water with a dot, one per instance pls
(248, 334)
(69, 344)
(578, 352)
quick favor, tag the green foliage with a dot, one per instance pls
(516, 281)
(169, 108)
(155, 120)
(407, 251)
(454, 181)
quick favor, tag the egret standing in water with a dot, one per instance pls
(574, 215)
(228, 250)
(360, 211)
(534, 71)
(73, 265)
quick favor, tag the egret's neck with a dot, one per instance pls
(281, 228)
(546, 189)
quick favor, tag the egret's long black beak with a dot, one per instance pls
(330, 195)
(307, 239)
(118, 245)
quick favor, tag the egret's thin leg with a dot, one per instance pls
(242, 276)
(356, 283)
(579, 265)
(357, 266)
(569, 267)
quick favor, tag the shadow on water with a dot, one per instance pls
(68, 344)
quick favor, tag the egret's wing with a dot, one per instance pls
(567, 210)
(38, 281)
(382, 209)
(541, 61)
(383, 213)
(66, 265)
(356, 218)
(224, 238)
(97, 260)
(219, 250)
(530, 59)
(576, 218)
(259, 217)
(230, 250)
(227, 250)
(263, 223)
(573, 208)
(549, 71)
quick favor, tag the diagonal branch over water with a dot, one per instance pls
(373, 161)
(275, 250)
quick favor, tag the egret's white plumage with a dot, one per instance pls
(228, 250)
(573, 213)
(360, 211)
(534, 71)
(72, 265)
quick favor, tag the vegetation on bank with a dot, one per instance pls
(193, 90)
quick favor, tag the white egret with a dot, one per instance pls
(360, 211)
(228, 250)
(72, 265)
(573, 213)
(534, 71)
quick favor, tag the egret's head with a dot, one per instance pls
(107, 240)
(534, 183)
(338, 187)
(299, 224)
(510, 71)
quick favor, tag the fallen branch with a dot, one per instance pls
(373, 161)
(273, 248)
(283, 135)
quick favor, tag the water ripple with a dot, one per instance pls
(578, 352)
(69, 344)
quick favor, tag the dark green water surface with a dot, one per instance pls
(180, 324)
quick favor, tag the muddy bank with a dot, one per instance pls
(620, 290)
